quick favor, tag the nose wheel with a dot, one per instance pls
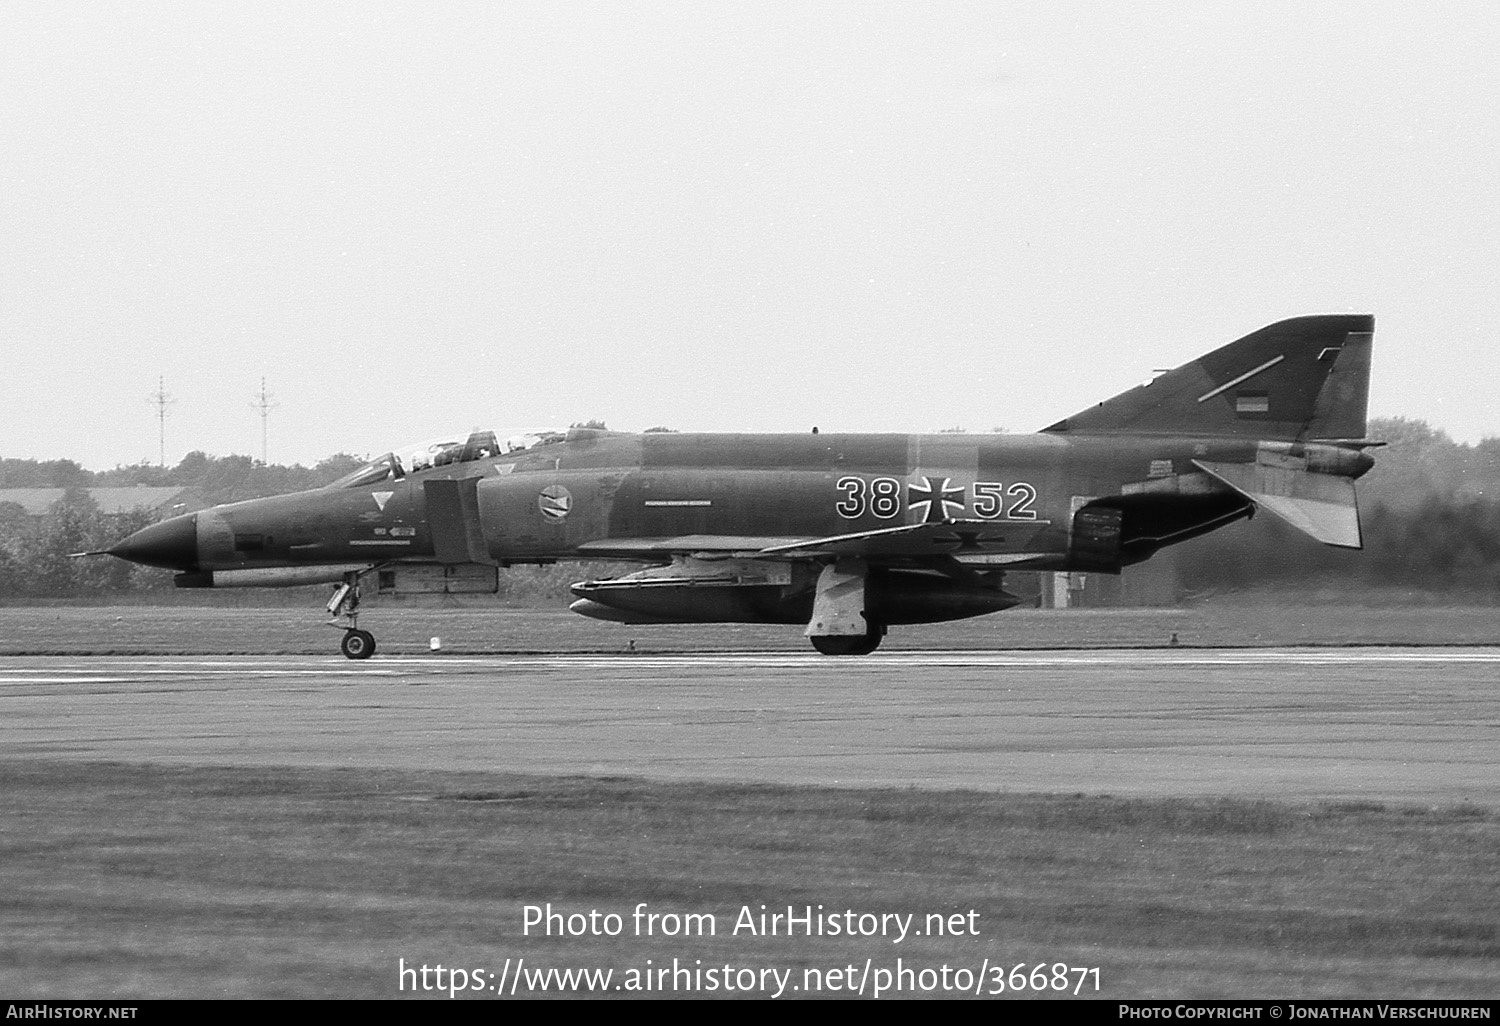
(344, 608)
(357, 644)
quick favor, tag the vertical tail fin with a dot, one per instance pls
(1340, 412)
(1300, 379)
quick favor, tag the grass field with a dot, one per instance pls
(166, 882)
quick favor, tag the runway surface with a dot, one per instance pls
(1406, 725)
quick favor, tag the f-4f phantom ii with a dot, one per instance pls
(846, 534)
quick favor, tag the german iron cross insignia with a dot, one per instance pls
(934, 499)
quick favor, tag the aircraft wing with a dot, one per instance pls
(937, 538)
(659, 548)
(913, 541)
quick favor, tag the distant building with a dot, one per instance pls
(1152, 583)
(112, 502)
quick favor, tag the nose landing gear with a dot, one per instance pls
(344, 608)
(357, 644)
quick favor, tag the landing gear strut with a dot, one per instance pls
(344, 608)
(839, 624)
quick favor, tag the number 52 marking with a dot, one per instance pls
(990, 504)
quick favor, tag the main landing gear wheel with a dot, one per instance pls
(846, 644)
(358, 644)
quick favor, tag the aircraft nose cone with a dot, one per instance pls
(172, 544)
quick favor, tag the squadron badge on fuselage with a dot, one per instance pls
(555, 502)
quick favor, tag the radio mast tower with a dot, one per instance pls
(161, 399)
(263, 403)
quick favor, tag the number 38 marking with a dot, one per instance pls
(881, 497)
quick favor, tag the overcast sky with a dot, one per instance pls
(724, 216)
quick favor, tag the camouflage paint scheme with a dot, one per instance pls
(847, 534)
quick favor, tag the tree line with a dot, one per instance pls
(35, 559)
(218, 478)
(1430, 512)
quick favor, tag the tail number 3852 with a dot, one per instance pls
(884, 497)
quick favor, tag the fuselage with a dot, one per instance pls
(606, 494)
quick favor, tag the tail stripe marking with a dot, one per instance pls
(1243, 377)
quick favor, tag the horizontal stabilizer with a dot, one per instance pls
(1323, 506)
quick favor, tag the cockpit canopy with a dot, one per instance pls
(442, 452)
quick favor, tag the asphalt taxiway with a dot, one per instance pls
(1404, 725)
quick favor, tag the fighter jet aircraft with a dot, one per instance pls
(846, 534)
